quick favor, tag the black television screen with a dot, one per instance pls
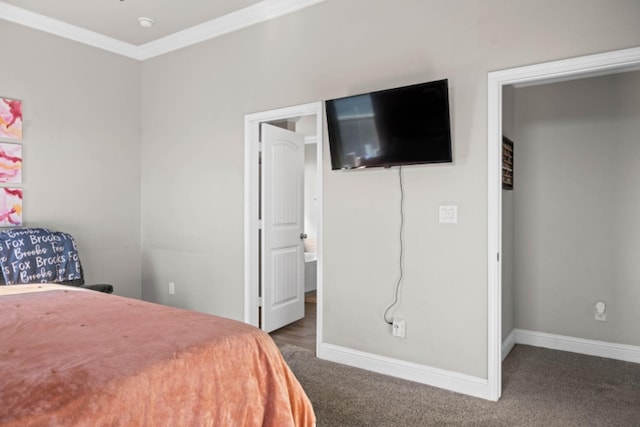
(401, 126)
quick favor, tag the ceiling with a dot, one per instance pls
(113, 24)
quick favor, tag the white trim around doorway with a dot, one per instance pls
(251, 187)
(567, 69)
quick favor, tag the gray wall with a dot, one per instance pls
(81, 148)
(577, 206)
(193, 105)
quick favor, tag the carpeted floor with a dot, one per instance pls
(541, 387)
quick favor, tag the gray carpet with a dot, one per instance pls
(541, 387)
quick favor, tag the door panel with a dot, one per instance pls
(283, 220)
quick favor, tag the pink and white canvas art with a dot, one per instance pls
(10, 163)
(11, 119)
(10, 207)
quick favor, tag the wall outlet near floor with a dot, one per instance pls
(172, 288)
(601, 311)
(398, 328)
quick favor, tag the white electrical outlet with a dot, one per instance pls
(601, 311)
(172, 288)
(398, 328)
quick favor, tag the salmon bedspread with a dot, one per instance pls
(83, 358)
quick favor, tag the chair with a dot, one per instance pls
(40, 255)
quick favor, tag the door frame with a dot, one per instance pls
(549, 72)
(251, 206)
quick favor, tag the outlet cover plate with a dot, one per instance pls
(398, 328)
(448, 214)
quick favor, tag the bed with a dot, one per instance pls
(74, 357)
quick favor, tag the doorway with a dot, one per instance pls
(592, 65)
(253, 223)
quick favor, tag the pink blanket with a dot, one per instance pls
(74, 358)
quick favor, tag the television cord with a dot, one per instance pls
(400, 279)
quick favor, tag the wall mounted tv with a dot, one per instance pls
(402, 126)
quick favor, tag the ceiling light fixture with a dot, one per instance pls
(145, 22)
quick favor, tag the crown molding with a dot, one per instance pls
(17, 15)
(254, 14)
(251, 15)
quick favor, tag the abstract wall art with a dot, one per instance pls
(10, 207)
(507, 163)
(10, 163)
(11, 119)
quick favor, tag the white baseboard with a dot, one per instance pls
(467, 384)
(508, 344)
(448, 380)
(627, 353)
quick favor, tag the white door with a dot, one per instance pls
(282, 207)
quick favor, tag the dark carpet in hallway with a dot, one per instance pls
(541, 387)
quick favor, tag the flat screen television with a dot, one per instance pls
(402, 126)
